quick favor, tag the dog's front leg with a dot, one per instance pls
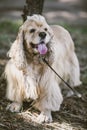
(14, 91)
(50, 100)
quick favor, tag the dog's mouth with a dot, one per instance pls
(40, 47)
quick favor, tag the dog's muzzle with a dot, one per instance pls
(41, 47)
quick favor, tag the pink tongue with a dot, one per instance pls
(42, 49)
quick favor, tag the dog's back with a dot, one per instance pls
(65, 53)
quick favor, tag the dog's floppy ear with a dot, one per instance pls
(16, 52)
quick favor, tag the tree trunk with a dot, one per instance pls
(32, 7)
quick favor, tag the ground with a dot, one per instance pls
(73, 112)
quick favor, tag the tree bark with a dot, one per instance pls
(32, 7)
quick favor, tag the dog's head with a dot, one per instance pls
(36, 35)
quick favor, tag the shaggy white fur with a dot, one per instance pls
(28, 77)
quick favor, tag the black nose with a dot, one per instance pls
(42, 35)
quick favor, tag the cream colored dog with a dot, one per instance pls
(29, 77)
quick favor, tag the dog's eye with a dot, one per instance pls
(45, 29)
(32, 30)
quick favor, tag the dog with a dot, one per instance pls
(28, 77)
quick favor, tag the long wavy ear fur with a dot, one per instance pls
(16, 52)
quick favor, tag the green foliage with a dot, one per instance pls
(8, 32)
(9, 26)
(73, 29)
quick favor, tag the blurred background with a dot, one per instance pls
(56, 11)
(72, 15)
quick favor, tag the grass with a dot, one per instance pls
(9, 26)
(8, 32)
(72, 29)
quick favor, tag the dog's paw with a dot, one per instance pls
(44, 117)
(68, 93)
(14, 107)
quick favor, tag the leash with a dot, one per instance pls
(73, 90)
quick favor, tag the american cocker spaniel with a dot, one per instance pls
(28, 77)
